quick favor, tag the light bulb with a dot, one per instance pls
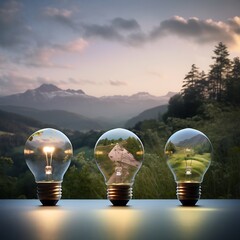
(48, 154)
(119, 156)
(188, 154)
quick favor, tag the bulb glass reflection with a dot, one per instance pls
(48, 154)
(189, 154)
(119, 156)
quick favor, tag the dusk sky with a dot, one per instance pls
(111, 47)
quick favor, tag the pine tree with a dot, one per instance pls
(202, 86)
(190, 80)
(191, 92)
(219, 72)
(233, 83)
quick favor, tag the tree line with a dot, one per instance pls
(220, 85)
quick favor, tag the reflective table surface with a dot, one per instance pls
(141, 219)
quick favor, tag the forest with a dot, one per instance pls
(208, 101)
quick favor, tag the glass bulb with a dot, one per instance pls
(188, 154)
(48, 154)
(119, 156)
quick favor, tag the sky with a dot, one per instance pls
(111, 47)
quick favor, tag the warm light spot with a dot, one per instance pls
(120, 223)
(190, 220)
(28, 151)
(47, 222)
(48, 149)
(139, 152)
(98, 152)
(68, 151)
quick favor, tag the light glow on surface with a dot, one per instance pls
(48, 222)
(191, 220)
(120, 223)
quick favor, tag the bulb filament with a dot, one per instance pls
(48, 150)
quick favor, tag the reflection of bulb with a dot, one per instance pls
(48, 153)
(188, 154)
(119, 155)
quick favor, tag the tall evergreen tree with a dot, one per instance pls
(190, 80)
(191, 92)
(233, 83)
(202, 86)
(219, 72)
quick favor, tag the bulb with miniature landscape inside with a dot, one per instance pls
(119, 155)
(48, 154)
(189, 154)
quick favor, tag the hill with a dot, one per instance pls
(152, 113)
(12, 123)
(59, 118)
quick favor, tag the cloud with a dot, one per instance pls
(14, 31)
(44, 56)
(58, 13)
(117, 29)
(200, 31)
(103, 31)
(125, 24)
(117, 83)
(62, 16)
(126, 31)
(234, 23)
(76, 46)
(11, 83)
(129, 31)
(81, 82)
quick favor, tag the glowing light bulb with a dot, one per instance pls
(48, 154)
(188, 154)
(119, 156)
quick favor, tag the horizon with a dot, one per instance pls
(60, 89)
(111, 48)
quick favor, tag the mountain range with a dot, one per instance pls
(76, 109)
(192, 141)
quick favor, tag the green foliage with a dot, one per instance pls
(83, 180)
(7, 183)
(154, 179)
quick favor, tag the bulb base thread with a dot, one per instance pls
(188, 193)
(49, 193)
(119, 195)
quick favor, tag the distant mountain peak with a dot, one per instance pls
(79, 91)
(142, 94)
(47, 88)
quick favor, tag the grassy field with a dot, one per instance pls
(197, 164)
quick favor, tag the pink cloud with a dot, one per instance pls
(56, 12)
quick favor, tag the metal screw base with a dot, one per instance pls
(188, 193)
(119, 195)
(49, 193)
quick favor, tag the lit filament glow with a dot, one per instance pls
(48, 150)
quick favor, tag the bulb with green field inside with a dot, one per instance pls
(189, 154)
(119, 155)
